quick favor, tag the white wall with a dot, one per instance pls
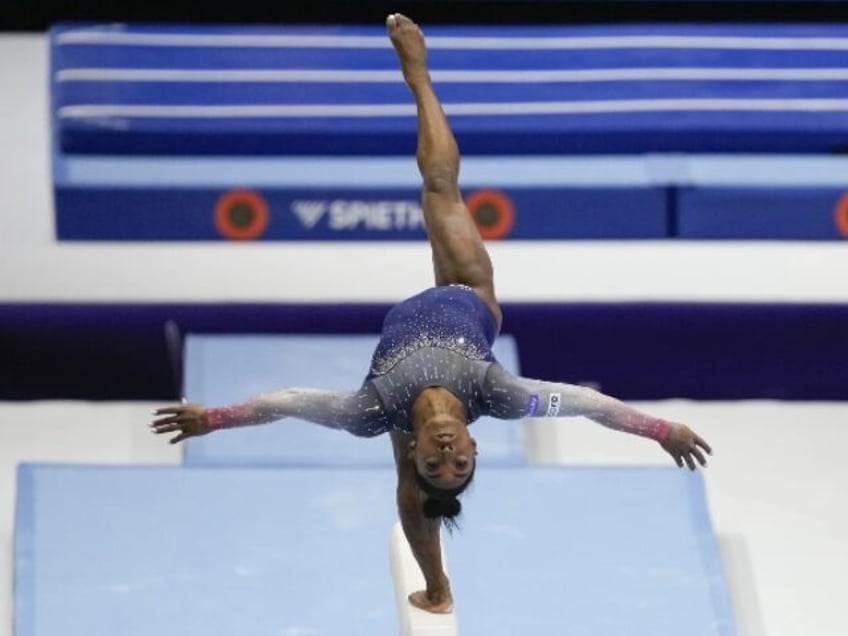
(775, 483)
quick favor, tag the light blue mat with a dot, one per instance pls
(589, 551)
(162, 551)
(202, 552)
(228, 368)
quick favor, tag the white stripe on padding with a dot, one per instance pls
(525, 76)
(407, 579)
(286, 111)
(338, 41)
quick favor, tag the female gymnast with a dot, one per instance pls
(433, 372)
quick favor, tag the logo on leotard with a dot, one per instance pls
(553, 404)
(534, 402)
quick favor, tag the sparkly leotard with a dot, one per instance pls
(441, 337)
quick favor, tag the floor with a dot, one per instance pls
(774, 487)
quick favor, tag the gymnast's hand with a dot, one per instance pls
(685, 446)
(436, 602)
(189, 419)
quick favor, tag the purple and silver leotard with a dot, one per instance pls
(441, 337)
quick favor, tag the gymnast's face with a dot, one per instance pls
(444, 452)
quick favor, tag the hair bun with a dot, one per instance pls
(447, 508)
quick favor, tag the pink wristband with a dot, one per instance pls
(216, 418)
(662, 431)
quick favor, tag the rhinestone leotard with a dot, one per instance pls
(440, 337)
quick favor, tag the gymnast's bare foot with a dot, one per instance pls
(408, 41)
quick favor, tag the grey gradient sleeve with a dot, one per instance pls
(358, 412)
(513, 397)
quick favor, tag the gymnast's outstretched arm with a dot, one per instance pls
(514, 397)
(353, 411)
(421, 533)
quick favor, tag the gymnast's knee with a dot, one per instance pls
(440, 179)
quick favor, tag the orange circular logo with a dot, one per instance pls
(840, 215)
(493, 213)
(241, 215)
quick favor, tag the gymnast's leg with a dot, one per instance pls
(459, 255)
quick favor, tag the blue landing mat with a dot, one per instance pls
(228, 368)
(161, 551)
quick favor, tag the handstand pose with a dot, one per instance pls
(433, 372)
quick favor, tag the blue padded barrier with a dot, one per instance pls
(244, 90)
(525, 198)
(229, 368)
(353, 214)
(178, 95)
(762, 213)
(169, 550)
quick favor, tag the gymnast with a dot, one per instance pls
(433, 372)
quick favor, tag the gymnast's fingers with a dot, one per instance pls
(700, 442)
(166, 428)
(182, 417)
(180, 438)
(699, 456)
(165, 410)
(689, 461)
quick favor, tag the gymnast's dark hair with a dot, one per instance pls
(442, 503)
